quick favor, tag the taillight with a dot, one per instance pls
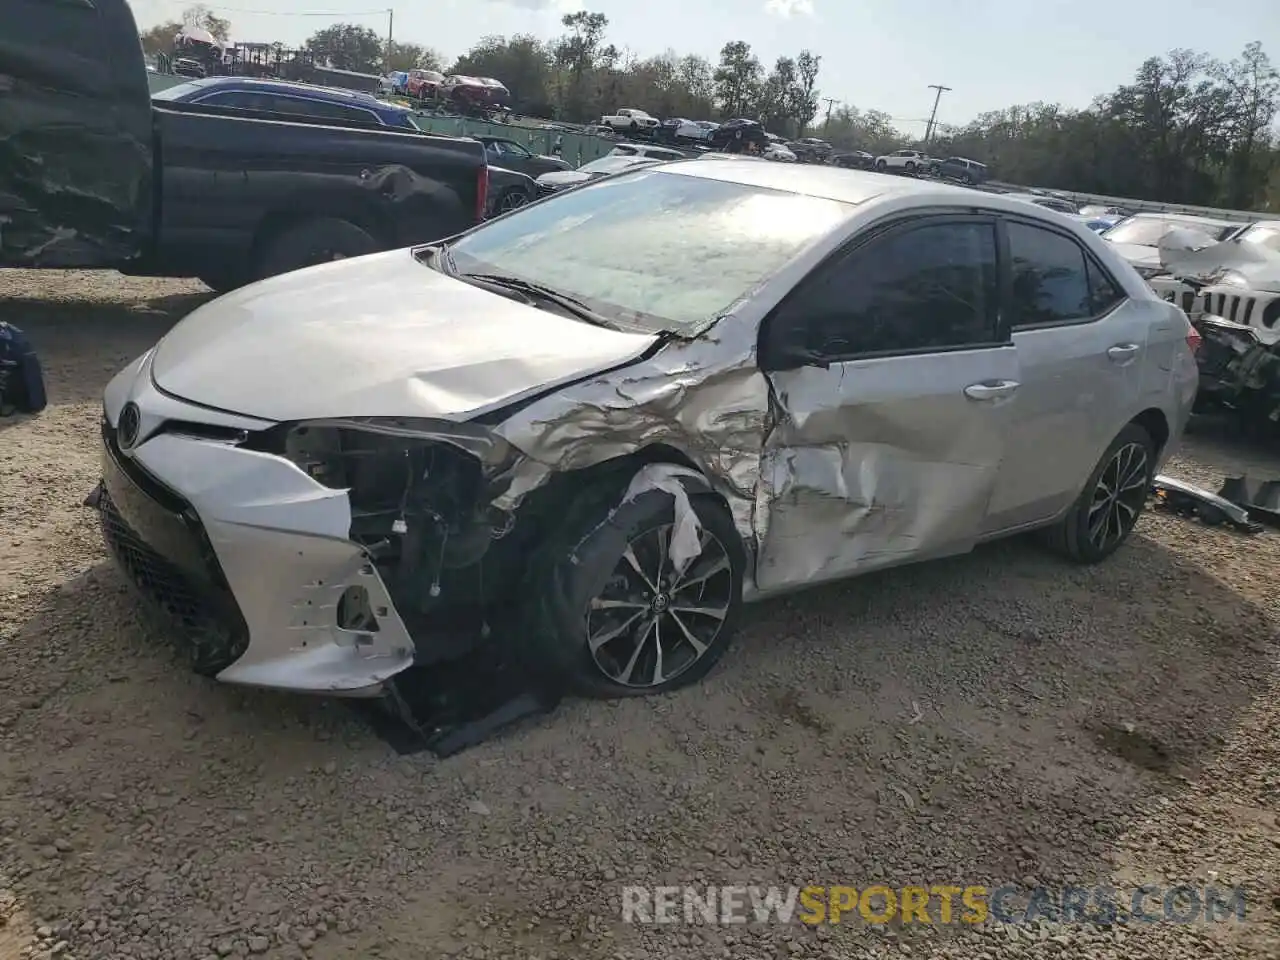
(1194, 340)
(482, 193)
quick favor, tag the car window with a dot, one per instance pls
(933, 286)
(652, 249)
(1104, 292)
(624, 151)
(1050, 277)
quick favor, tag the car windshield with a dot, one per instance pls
(1265, 236)
(1147, 232)
(660, 251)
(180, 90)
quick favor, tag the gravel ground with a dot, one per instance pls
(997, 718)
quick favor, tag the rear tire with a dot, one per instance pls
(312, 242)
(881, 166)
(1113, 499)
(584, 588)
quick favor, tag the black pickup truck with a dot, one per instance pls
(94, 175)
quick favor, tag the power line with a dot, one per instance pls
(928, 131)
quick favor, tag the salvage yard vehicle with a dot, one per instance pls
(903, 161)
(630, 120)
(958, 168)
(603, 442)
(94, 175)
(606, 166)
(1137, 238)
(288, 98)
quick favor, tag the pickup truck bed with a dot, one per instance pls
(231, 183)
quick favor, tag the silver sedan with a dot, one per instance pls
(591, 429)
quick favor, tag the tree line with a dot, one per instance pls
(1188, 128)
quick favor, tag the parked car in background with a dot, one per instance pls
(186, 67)
(780, 151)
(606, 166)
(1100, 210)
(423, 84)
(505, 152)
(645, 150)
(1097, 224)
(695, 130)
(1137, 238)
(854, 159)
(903, 161)
(810, 149)
(738, 134)
(286, 97)
(960, 168)
(635, 407)
(155, 186)
(1045, 200)
(631, 120)
(508, 190)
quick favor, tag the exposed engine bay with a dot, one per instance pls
(422, 509)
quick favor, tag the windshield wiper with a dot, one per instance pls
(534, 292)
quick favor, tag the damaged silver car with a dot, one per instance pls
(592, 428)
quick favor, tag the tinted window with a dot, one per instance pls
(932, 286)
(278, 103)
(1104, 292)
(1050, 279)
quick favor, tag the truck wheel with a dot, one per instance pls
(610, 615)
(512, 199)
(312, 242)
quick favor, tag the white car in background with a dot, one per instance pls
(631, 120)
(1137, 238)
(903, 161)
(695, 130)
(780, 151)
(645, 150)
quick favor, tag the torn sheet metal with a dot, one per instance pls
(1185, 499)
(1183, 257)
(705, 399)
(75, 135)
(686, 535)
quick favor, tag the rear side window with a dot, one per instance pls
(1054, 280)
(932, 286)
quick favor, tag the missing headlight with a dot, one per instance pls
(420, 504)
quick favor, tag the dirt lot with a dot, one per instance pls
(999, 718)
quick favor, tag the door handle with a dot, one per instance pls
(1122, 352)
(991, 389)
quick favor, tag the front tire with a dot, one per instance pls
(881, 166)
(911, 167)
(611, 615)
(512, 200)
(1112, 500)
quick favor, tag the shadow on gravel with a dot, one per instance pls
(996, 718)
(82, 343)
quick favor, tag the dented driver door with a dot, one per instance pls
(893, 387)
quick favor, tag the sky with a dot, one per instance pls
(875, 54)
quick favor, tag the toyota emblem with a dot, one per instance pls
(127, 429)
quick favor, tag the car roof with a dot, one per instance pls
(332, 94)
(836, 183)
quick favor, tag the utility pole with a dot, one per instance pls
(391, 49)
(830, 102)
(928, 131)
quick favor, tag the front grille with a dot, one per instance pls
(545, 189)
(186, 586)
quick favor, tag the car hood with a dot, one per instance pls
(1138, 254)
(564, 178)
(381, 335)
